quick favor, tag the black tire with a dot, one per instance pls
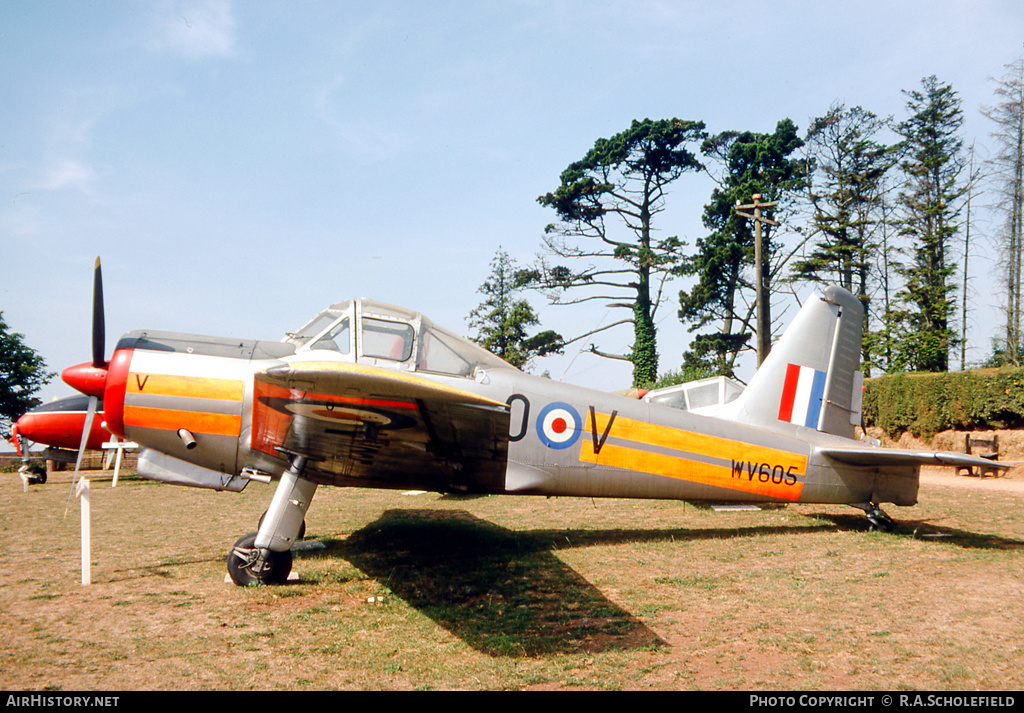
(241, 557)
(36, 474)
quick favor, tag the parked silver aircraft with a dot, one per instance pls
(374, 396)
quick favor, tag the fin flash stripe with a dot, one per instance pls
(802, 394)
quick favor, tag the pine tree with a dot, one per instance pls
(931, 204)
(607, 205)
(880, 343)
(752, 164)
(846, 190)
(502, 320)
(1007, 167)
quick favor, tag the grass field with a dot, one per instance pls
(420, 591)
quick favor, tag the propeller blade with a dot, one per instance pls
(17, 441)
(109, 460)
(91, 379)
(98, 325)
(89, 414)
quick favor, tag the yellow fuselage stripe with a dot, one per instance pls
(764, 471)
(196, 387)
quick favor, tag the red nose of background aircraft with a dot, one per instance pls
(59, 424)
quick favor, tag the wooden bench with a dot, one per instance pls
(987, 448)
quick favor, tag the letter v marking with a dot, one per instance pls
(141, 382)
(599, 444)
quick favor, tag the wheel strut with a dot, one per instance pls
(265, 556)
(880, 522)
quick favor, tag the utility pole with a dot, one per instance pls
(967, 254)
(764, 331)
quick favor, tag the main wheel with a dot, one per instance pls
(246, 565)
(881, 525)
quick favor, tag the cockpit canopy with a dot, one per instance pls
(375, 333)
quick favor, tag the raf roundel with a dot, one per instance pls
(559, 425)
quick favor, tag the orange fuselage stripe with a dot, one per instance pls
(215, 424)
(781, 478)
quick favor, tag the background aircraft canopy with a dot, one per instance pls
(696, 395)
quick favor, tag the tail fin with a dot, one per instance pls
(812, 375)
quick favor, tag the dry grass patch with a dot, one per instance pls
(404, 591)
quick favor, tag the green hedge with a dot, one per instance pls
(925, 404)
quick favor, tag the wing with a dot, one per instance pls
(371, 427)
(887, 456)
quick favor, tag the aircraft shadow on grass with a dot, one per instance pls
(506, 593)
(925, 529)
(503, 592)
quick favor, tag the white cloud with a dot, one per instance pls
(67, 173)
(67, 143)
(365, 139)
(198, 29)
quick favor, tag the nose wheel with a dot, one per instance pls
(249, 565)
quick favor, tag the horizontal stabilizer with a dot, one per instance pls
(889, 456)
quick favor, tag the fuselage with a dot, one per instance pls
(193, 398)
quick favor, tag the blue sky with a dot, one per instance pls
(239, 166)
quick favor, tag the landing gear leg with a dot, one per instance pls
(265, 556)
(880, 522)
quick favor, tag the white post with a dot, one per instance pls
(118, 445)
(117, 465)
(86, 533)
